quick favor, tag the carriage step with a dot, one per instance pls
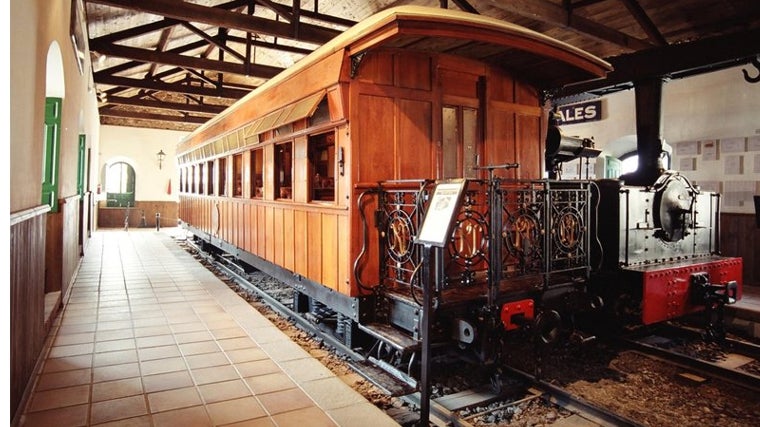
(392, 336)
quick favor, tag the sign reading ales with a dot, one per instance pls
(579, 113)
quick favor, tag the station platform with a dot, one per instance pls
(744, 315)
(149, 337)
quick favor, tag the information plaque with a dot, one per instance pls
(444, 208)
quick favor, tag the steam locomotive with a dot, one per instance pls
(323, 177)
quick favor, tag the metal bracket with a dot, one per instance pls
(356, 60)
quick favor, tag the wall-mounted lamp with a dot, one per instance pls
(160, 155)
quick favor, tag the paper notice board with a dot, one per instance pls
(443, 210)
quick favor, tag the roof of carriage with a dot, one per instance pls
(529, 55)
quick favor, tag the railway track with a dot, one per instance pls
(455, 409)
(732, 360)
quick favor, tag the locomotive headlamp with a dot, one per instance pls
(160, 156)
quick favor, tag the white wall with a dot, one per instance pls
(138, 147)
(712, 121)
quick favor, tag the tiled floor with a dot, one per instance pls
(151, 338)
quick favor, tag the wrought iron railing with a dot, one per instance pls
(542, 230)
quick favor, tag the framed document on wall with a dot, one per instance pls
(78, 32)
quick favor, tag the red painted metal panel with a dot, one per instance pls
(666, 289)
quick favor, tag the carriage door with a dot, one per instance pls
(461, 133)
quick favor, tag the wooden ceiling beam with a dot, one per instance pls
(185, 11)
(177, 60)
(153, 116)
(554, 14)
(645, 22)
(675, 61)
(171, 87)
(163, 105)
(213, 41)
(155, 26)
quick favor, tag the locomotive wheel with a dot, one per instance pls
(547, 326)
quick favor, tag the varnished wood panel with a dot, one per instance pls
(114, 217)
(377, 68)
(413, 71)
(315, 245)
(261, 226)
(739, 237)
(344, 262)
(27, 302)
(288, 239)
(277, 234)
(301, 238)
(330, 251)
(529, 147)
(414, 146)
(500, 140)
(372, 150)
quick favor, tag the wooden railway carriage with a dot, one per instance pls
(286, 179)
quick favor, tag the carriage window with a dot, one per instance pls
(210, 177)
(322, 167)
(460, 142)
(257, 173)
(201, 179)
(237, 175)
(197, 184)
(222, 176)
(321, 114)
(283, 163)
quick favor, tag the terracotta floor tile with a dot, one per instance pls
(69, 416)
(269, 383)
(83, 361)
(246, 355)
(108, 390)
(231, 411)
(115, 345)
(215, 374)
(306, 370)
(114, 334)
(257, 367)
(63, 379)
(161, 366)
(187, 417)
(155, 341)
(225, 333)
(115, 372)
(174, 399)
(196, 336)
(149, 331)
(114, 358)
(311, 416)
(69, 339)
(285, 401)
(162, 352)
(284, 350)
(360, 414)
(226, 390)
(331, 393)
(71, 350)
(258, 422)
(237, 343)
(117, 409)
(143, 421)
(207, 360)
(180, 328)
(202, 347)
(168, 381)
(60, 398)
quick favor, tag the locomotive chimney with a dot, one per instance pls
(648, 132)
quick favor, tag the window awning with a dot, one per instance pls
(289, 114)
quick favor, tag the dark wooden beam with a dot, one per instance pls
(675, 61)
(466, 6)
(554, 14)
(151, 116)
(267, 45)
(155, 26)
(171, 87)
(212, 40)
(168, 58)
(163, 105)
(645, 22)
(185, 11)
